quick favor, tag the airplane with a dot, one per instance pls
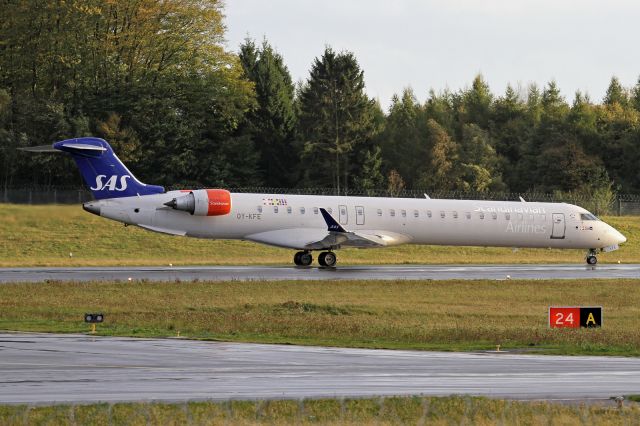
(308, 223)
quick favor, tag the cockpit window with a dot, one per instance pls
(588, 216)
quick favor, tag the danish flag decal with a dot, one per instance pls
(102, 170)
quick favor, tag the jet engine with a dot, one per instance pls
(203, 202)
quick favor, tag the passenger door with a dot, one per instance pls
(557, 232)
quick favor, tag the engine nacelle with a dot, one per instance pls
(203, 202)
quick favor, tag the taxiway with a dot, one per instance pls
(50, 368)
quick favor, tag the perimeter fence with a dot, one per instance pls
(617, 204)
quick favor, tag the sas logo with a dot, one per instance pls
(111, 184)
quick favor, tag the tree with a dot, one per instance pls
(616, 93)
(403, 140)
(271, 124)
(335, 117)
(443, 155)
(371, 177)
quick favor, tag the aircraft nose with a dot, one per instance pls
(615, 235)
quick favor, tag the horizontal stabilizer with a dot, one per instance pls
(39, 148)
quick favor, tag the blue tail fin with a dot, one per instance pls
(102, 170)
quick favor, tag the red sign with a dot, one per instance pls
(564, 317)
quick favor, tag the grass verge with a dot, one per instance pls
(54, 235)
(379, 411)
(434, 315)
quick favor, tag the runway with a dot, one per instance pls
(49, 368)
(272, 273)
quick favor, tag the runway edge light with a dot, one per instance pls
(575, 316)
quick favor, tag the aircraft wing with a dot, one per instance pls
(333, 237)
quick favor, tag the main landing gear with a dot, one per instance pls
(303, 258)
(326, 258)
(591, 257)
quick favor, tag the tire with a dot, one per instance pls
(296, 258)
(592, 260)
(305, 259)
(330, 259)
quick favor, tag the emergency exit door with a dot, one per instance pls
(557, 232)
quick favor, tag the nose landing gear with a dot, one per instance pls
(591, 257)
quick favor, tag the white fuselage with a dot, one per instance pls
(294, 221)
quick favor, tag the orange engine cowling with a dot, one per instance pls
(203, 202)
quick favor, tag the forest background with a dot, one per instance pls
(156, 80)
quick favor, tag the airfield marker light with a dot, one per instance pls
(129, 278)
(93, 319)
(619, 400)
(497, 348)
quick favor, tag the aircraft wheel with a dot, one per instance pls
(296, 258)
(327, 258)
(305, 258)
(592, 260)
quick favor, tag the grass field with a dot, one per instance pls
(67, 236)
(379, 411)
(442, 315)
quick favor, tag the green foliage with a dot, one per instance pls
(155, 80)
(336, 117)
(272, 123)
(152, 76)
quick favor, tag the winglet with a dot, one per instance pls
(332, 225)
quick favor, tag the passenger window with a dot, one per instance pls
(494, 215)
(392, 212)
(379, 212)
(275, 209)
(343, 211)
(289, 209)
(481, 215)
(467, 215)
(416, 213)
(259, 209)
(507, 216)
(429, 214)
(443, 215)
(403, 213)
(301, 210)
(455, 215)
(315, 210)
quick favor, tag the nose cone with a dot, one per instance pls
(620, 238)
(614, 236)
(92, 207)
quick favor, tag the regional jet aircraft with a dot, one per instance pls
(308, 223)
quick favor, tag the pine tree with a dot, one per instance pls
(271, 124)
(616, 93)
(335, 117)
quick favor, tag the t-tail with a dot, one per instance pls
(102, 170)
